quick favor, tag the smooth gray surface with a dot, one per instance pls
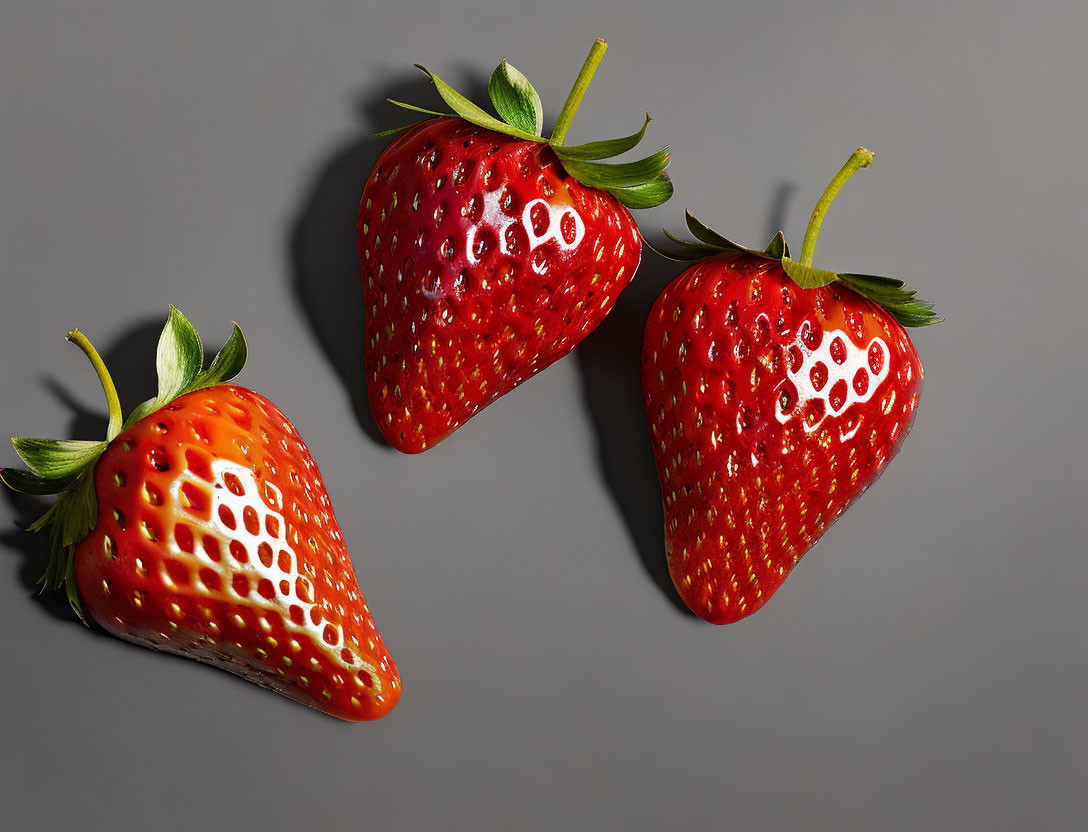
(925, 667)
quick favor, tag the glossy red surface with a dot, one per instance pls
(216, 540)
(772, 409)
(482, 263)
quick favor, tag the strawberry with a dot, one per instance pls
(488, 252)
(776, 394)
(201, 527)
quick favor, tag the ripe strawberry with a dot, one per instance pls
(202, 527)
(776, 394)
(488, 252)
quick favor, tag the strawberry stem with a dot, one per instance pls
(114, 403)
(861, 158)
(566, 115)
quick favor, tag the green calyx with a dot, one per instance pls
(641, 184)
(891, 294)
(65, 467)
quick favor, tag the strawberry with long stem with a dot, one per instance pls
(201, 526)
(488, 251)
(776, 394)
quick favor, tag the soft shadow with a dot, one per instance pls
(131, 361)
(610, 360)
(780, 205)
(34, 551)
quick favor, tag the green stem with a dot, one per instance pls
(114, 403)
(566, 115)
(862, 158)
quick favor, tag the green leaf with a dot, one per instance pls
(381, 134)
(54, 459)
(684, 251)
(26, 483)
(515, 100)
(603, 149)
(82, 512)
(704, 234)
(895, 296)
(777, 247)
(806, 276)
(473, 114)
(640, 184)
(711, 242)
(416, 109)
(228, 362)
(623, 175)
(874, 284)
(179, 358)
(74, 512)
(647, 195)
(69, 520)
(71, 587)
(393, 131)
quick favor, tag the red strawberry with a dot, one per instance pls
(488, 252)
(202, 527)
(776, 394)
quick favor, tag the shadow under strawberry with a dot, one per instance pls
(610, 361)
(322, 246)
(34, 551)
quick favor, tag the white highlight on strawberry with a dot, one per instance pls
(555, 220)
(857, 358)
(495, 215)
(279, 542)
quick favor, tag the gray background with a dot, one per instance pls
(925, 666)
